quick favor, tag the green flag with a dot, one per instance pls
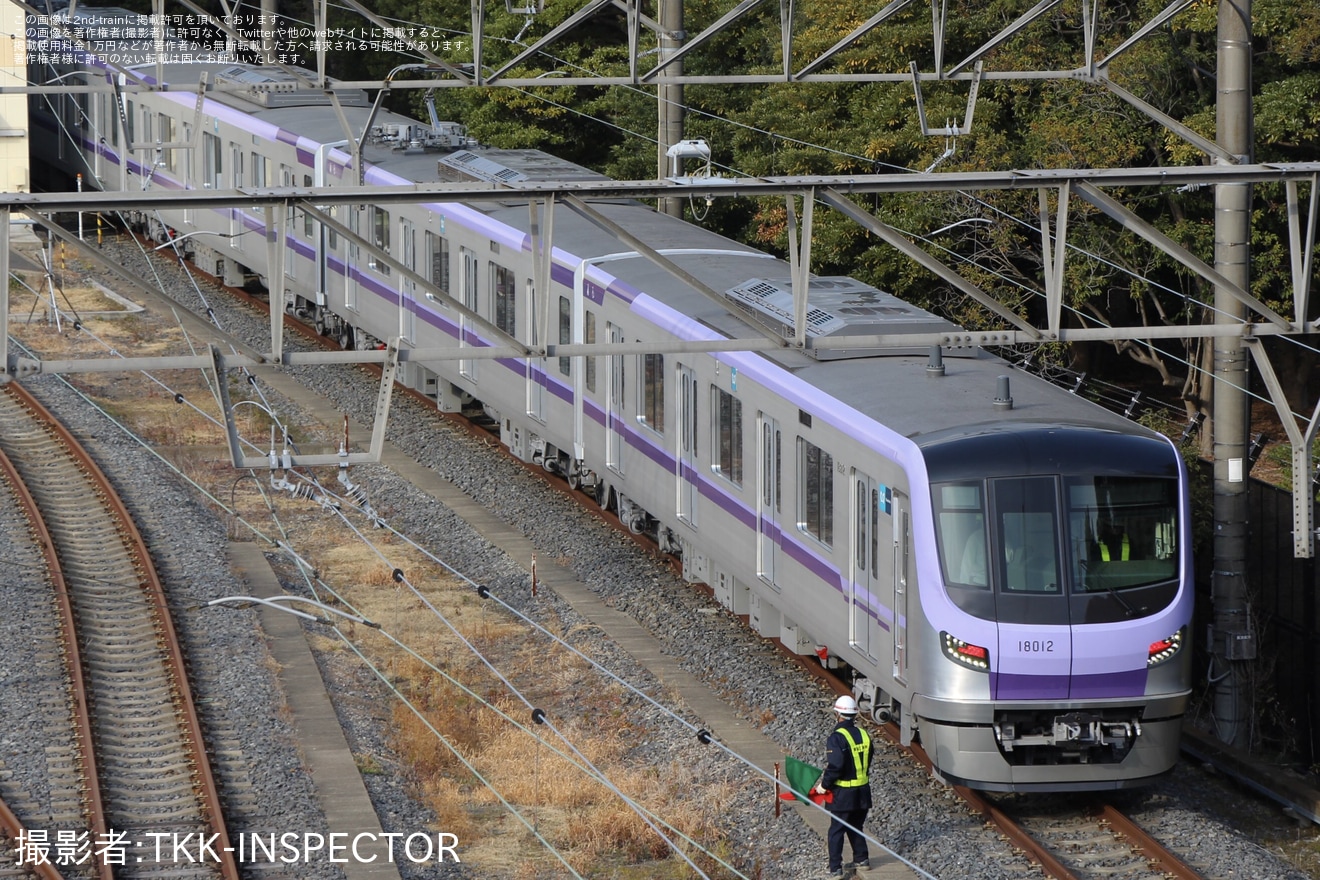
(801, 776)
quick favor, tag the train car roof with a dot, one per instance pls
(894, 388)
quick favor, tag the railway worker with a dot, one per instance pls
(847, 775)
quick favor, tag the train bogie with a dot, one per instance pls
(909, 521)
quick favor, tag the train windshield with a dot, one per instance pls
(1114, 534)
(1122, 532)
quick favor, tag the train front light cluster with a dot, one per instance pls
(1165, 649)
(965, 653)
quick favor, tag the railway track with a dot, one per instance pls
(1068, 841)
(1068, 836)
(149, 806)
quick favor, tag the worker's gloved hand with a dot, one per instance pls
(819, 789)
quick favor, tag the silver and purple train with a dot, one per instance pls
(1007, 573)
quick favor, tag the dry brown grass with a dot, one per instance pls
(600, 835)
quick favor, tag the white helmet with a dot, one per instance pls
(845, 705)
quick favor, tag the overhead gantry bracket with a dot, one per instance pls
(383, 398)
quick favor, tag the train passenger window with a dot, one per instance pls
(651, 411)
(168, 128)
(728, 435)
(960, 532)
(589, 337)
(212, 166)
(504, 289)
(380, 237)
(437, 257)
(1026, 513)
(309, 227)
(1122, 532)
(130, 121)
(259, 169)
(565, 332)
(815, 492)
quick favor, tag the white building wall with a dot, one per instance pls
(14, 159)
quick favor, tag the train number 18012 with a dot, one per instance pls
(1036, 646)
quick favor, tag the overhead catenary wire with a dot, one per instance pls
(1211, 309)
(823, 148)
(312, 581)
(284, 545)
(538, 714)
(595, 772)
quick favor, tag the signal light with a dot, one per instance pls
(1165, 649)
(965, 653)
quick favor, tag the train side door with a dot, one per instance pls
(615, 418)
(863, 604)
(236, 155)
(407, 288)
(769, 474)
(687, 446)
(902, 523)
(536, 369)
(468, 291)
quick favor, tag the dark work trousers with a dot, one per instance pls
(855, 818)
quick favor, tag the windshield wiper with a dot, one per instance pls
(1131, 612)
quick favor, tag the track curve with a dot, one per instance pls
(144, 773)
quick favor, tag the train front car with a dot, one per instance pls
(1058, 654)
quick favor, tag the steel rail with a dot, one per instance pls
(1015, 833)
(204, 779)
(1148, 846)
(72, 652)
(10, 825)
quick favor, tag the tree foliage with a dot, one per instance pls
(992, 238)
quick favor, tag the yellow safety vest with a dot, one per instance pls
(861, 755)
(1127, 549)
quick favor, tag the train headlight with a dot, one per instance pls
(1165, 649)
(965, 653)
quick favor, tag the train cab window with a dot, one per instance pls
(815, 492)
(651, 410)
(1122, 532)
(727, 422)
(1026, 511)
(960, 524)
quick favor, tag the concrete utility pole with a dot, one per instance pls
(267, 27)
(669, 98)
(1234, 642)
